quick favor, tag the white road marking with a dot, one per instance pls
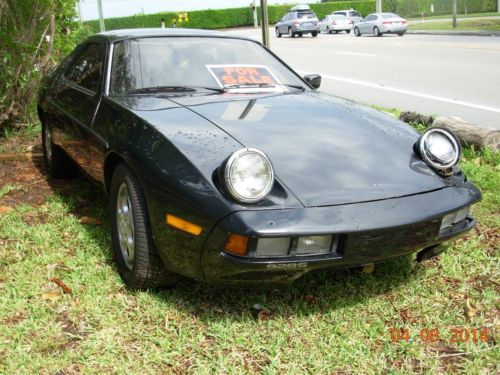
(357, 54)
(409, 92)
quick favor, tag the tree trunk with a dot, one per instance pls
(469, 134)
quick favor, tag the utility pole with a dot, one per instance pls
(255, 21)
(498, 6)
(101, 19)
(378, 6)
(454, 11)
(265, 23)
(79, 11)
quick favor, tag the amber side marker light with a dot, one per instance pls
(236, 244)
(184, 225)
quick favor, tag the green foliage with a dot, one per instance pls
(34, 33)
(224, 18)
(412, 8)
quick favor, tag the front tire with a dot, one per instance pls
(278, 34)
(138, 262)
(356, 32)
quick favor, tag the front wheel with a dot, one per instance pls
(138, 262)
(278, 34)
(356, 32)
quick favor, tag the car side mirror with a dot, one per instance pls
(314, 80)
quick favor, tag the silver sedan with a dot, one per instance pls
(378, 24)
(335, 23)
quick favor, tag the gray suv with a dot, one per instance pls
(299, 21)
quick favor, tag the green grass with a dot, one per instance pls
(487, 24)
(470, 15)
(324, 323)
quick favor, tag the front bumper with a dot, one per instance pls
(368, 232)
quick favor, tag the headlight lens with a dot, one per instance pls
(248, 175)
(439, 148)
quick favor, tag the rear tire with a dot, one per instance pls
(138, 262)
(356, 32)
(401, 34)
(328, 30)
(56, 162)
(278, 34)
(291, 34)
(348, 31)
(376, 32)
(314, 34)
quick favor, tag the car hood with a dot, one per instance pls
(326, 150)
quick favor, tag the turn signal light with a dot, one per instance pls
(184, 225)
(236, 244)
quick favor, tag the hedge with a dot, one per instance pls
(412, 8)
(224, 18)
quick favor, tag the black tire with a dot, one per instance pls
(145, 269)
(291, 34)
(376, 32)
(300, 35)
(356, 32)
(56, 162)
(348, 31)
(314, 34)
(401, 34)
(278, 34)
(328, 30)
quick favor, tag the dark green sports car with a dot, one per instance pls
(224, 165)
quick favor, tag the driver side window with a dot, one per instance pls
(86, 70)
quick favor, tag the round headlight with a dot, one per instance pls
(439, 148)
(248, 175)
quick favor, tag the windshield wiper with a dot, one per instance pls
(249, 86)
(297, 87)
(173, 89)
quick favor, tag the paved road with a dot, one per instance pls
(430, 74)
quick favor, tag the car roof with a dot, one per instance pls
(122, 34)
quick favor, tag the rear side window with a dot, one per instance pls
(355, 14)
(86, 69)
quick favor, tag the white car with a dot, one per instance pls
(377, 24)
(335, 23)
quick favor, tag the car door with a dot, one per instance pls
(77, 100)
(284, 24)
(364, 24)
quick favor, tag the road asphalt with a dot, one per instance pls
(430, 74)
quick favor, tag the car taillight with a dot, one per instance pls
(387, 22)
(296, 22)
(404, 22)
(334, 23)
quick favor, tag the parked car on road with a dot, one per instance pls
(224, 165)
(351, 14)
(299, 21)
(335, 23)
(378, 24)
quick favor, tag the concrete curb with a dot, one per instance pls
(455, 32)
(23, 156)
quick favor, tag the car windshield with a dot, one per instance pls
(306, 16)
(168, 64)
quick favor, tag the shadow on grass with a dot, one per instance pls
(315, 292)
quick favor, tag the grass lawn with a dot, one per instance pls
(486, 24)
(65, 310)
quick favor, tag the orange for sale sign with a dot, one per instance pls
(245, 77)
